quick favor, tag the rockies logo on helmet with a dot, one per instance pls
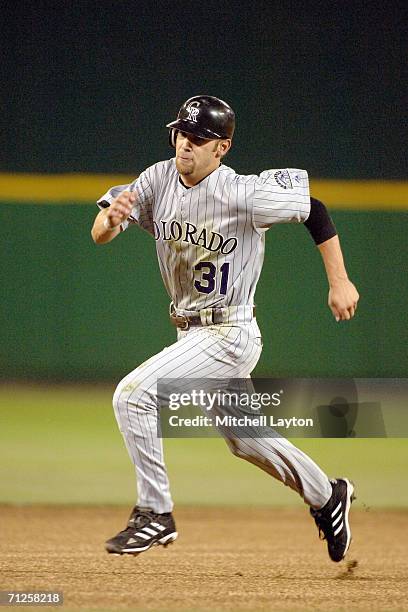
(193, 111)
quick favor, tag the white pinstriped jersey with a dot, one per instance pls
(210, 238)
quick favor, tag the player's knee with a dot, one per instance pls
(121, 399)
(235, 448)
(130, 395)
(117, 403)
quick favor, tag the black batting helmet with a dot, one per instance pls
(204, 116)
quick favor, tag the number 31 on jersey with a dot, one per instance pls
(209, 277)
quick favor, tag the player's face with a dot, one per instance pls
(198, 157)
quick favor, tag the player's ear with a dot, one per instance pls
(223, 147)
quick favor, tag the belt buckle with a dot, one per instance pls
(183, 322)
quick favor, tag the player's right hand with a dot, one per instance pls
(120, 208)
(343, 298)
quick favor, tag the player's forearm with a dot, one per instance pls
(101, 234)
(332, 256)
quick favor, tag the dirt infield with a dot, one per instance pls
(225, 559)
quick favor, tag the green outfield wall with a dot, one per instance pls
(73, 310)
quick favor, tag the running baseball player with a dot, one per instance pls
(209, 224)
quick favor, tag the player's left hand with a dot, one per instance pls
(343, 298)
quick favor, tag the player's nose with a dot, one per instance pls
(185, 143)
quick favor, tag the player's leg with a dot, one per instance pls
(288, 464)
(329, 500)
(201, 352)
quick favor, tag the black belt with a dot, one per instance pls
(183, 321)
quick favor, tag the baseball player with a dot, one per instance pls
(209, 224)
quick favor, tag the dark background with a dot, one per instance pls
(89, 86)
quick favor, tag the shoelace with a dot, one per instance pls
(140, 519)
(324, 525)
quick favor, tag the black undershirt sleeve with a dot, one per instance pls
(319, 222)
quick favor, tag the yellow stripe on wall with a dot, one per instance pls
(52, 188)
(368, 194)
(86, 188)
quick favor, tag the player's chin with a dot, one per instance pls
(184, 167)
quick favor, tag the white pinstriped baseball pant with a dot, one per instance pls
(216, 351)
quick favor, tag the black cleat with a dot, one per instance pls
(145, 529)
(333, 519)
